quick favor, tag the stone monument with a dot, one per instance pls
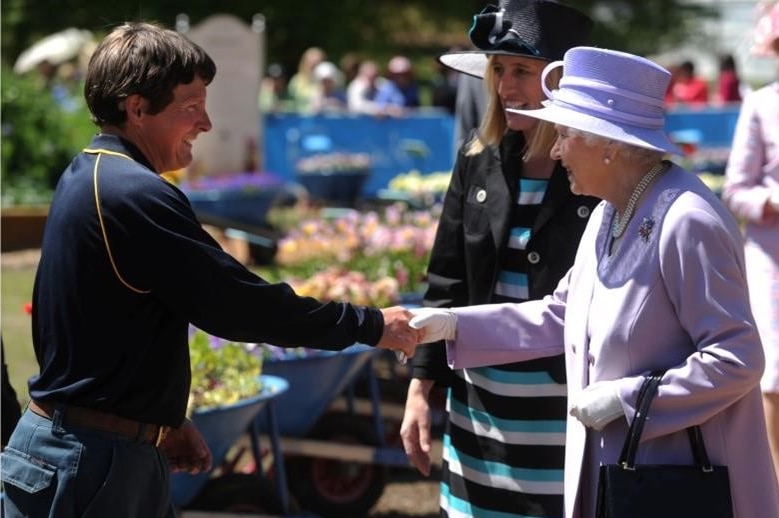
(237, 48)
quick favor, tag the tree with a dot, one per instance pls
(419, 28)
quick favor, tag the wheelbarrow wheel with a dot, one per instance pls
(331, 487)
(238, 493)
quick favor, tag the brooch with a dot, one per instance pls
(645, 229)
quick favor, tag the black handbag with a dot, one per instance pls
(630, 490)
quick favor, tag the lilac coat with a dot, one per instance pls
(673, 296)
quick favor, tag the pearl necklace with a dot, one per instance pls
(621, 222)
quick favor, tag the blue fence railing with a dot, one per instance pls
(421, 141)
(424, 141)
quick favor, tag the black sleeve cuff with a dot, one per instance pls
(429, 362)
(370, 325)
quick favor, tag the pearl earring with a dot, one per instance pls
(606, 160)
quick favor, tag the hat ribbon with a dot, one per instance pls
(569, 97)
(497, 27)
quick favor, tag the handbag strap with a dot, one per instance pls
(627, 458)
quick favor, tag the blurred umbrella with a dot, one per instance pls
(55, 48)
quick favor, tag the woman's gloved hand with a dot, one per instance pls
(436, 324)
(597, 405)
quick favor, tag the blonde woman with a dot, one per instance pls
(303, 86)
(508, 232)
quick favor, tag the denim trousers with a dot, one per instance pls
(51, 472)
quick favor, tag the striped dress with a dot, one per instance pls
(503, 448)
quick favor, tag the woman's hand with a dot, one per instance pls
(598, 405)
(436, 324)
(415, 429)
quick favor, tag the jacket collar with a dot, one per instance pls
(118, 144)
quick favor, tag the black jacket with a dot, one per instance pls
(115, 292)
(473, 230)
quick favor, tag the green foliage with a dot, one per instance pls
(419, 28)
(39, 139)
(223, 372)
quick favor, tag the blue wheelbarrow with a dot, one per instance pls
(326, 462)
(221, 428)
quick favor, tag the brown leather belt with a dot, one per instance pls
(103, 421)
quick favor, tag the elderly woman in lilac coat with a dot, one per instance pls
(751, 191)
(658, 283)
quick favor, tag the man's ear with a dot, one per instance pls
(135, 106)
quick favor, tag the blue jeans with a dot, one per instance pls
(50, 472)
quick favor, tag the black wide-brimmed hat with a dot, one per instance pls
(541, 29)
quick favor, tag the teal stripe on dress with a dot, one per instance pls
(498, 469)
(519, 237)
(531, 191)
(512, 284)
(514, 377)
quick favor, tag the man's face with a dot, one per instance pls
(166, 137)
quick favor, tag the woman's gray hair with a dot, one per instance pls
(633, 153)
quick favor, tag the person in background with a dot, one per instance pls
(687, 87)
(751, 191)
(125, 268)
(400, 91)
(728, 82)
(274, 95)
(361, 91)
(658, 283)
(508, 232)
(349, 64)
(444, 87)
(302, 85)
(330, 96)
(470, 106)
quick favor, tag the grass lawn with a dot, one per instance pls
(17, 338)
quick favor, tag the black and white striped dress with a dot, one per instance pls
(504, 443)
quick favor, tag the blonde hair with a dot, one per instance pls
(493, 126)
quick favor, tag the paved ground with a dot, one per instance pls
(409, 496)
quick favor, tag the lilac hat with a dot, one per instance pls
(609, 93)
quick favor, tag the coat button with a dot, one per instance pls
(481, 195)
(590, 359)
(533, 257)
(583, 211)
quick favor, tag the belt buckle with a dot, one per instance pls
(162, 432)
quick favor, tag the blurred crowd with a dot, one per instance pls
(355, 85)
(688, 88)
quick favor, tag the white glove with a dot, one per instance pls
(598, 405)
(438, 324)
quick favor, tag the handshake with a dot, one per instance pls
(595, 406)
(404, 329)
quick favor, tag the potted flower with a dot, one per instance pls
(334, 177)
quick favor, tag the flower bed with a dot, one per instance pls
(240, 197)
(223, 372)
(363, 257)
